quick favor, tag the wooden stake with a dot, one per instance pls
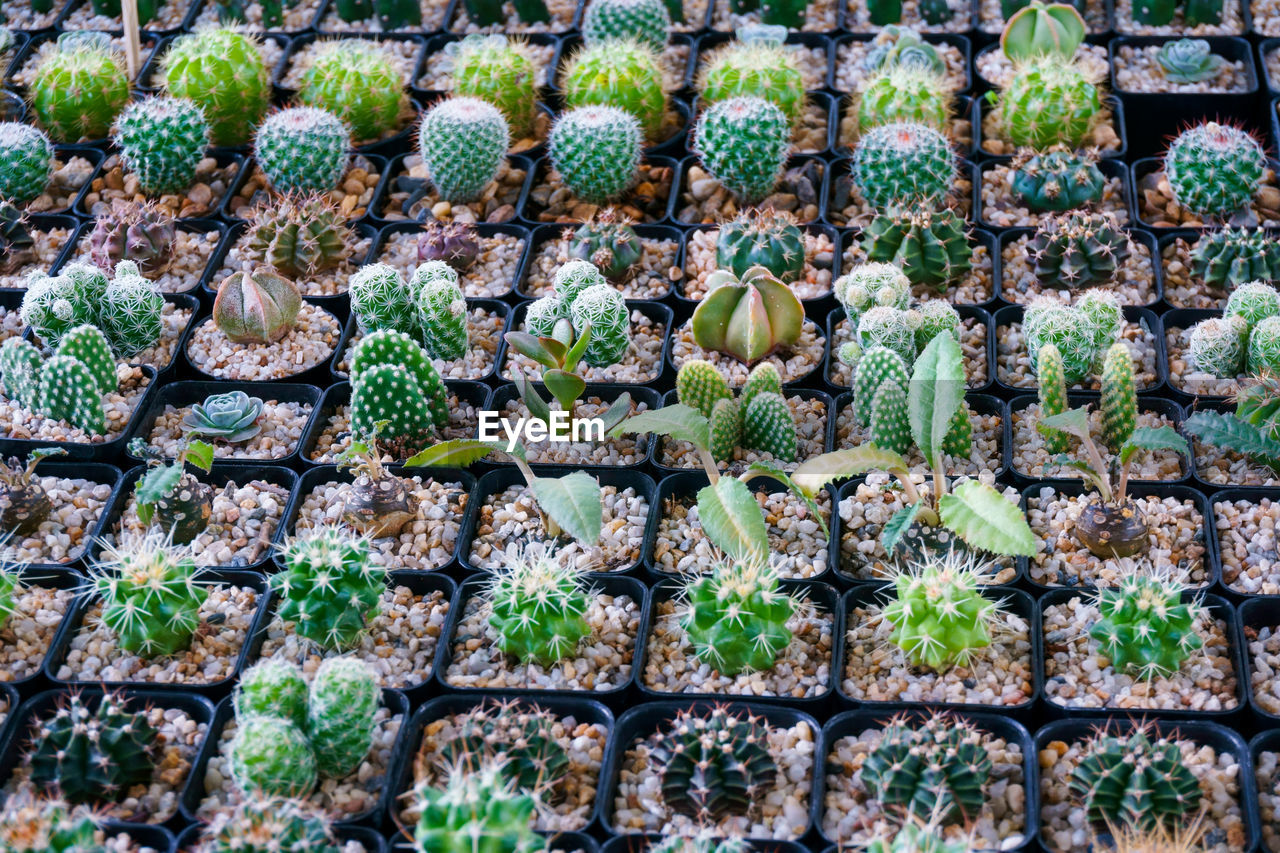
(132, 40)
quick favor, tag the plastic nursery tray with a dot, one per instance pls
(956, 40)
(547, 232)
(685, 486)
(611, 585)
(222, 156)
(825, 600)
(854, 723)
(837, 186)
(639, 722)
(75, 621)
(531, 213)
(187, 19)
(393, 180)
(1147, 165)
(1137, 235)
(683, 312)
(64, 153)
(198, 708)
(193, 794)
(94, 472)
(60, 578)
(497, 481)
(1238, 490)
(981, 107)
(813, 228)
(366, 837)
(1255, 614)
(795, 161)
(1185, 318)
(1109, 168)
(43, 222)
(190, 226)
(482, 229)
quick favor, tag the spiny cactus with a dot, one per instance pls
(700, 385)
(271, 756)
(747, 318)
(273, 687)
(1189, 61)
(132, 312)
(162, 140)
(270, 825)
(1119, 403)
(1228, 257)
(1075, 250)
(358, 82)
(1263, 357)
(393, 380)
(736, 616)
(330, 586)
(766, 238)
(476, 809)
(77, 92)
(596, 150)
(930, 246)
(933, 317)
(538, 609)
(646, 21)
(878, 368)
(302, 149)
(69, 391)
(744, 144)
(92, 755)
(604, 308)
(441, 310)
(463, 142)
(937, 613)
(714, 764)
(521, 740)
(381, 299)
(256, 307)
(32, 823)
(141, 232)
(937, 768)
(1053, 396)
(299, 236)
(1214, 170)
(903, 163)
(1254, 302)
(1082, 332)
(914, 838)
(1048, 102)
(151, 595)
(624, 74)
(341, 715)
(391, 14)
(867, 285)
(1134, 780)
(769, 427)
(20, 367)
(26, 161)
(224, 73)
(1145, 628)
(610, 243)
(905, 94)
(892, 328)
(502, 72)
(1058, 180)
(754, 70)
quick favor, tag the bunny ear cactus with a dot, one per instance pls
(736, 617)
(539, 610)
(935, 769)
(1037, 30)
(151, 595)
(257, 307)
(441, 310)
(1052, 394)
(20, 368)
(1145, 627)
(938, 614)
(393, 380)
(747, 318)
(1135, 780)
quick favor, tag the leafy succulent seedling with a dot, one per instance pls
(1253, 429)
(559, 357)
(160, 480)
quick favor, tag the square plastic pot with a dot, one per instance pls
(457, 10)
(1237, 490)
(94, 472)
(796, 161)
(60, 578)
(683, 312)
(482, 229)
(548, 232)
(95, 157)
(981, 107)
(814, 228)
(607, 393)
(532, 213)
(1252, 494)
(316, 374)
(645, 843)
(1185, 318)
(11, 297)
(851, 233)
(20, 39)
(1256, 613)
(224, 157)
(960, 42)
(1109, 168)
(190, 226)
(392, 180)
(1143, 238)
(1148, 165)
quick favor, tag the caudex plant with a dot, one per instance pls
(170, 494)
(24, 504)
(378, 503)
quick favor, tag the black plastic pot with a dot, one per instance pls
(1148, 165)
(483, 230)
(981, 107)
(63, 153)
(457, 22)
(44, 222)
(684, 486)
(848, 237)
(1224, 406)
(95, 472)
(187, 18)
(20, 723)
(849, 24)
(1221, 542)
(825, 599)
(495, 482)
(532, 213)
(814, 228)
(979, 404)
(191, 226)
(75, 621)
(28, 47)
(222, 156)
(1185, 318)
(1110, 169)
(437, 44)
(985, 42)
(1265, 741)
(546, 233)
(960, 42)
(60, 578)
(316, 374)
(854, 723)
(796, 161)
(394, 178)
(193, 794)
(641, 721)
(8, 695)
(1252, 616)
(366, 837)
(20, 40)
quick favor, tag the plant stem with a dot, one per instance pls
(709, 463)
(1100, 479)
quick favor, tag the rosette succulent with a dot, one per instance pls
(232, 416)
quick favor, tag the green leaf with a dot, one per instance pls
(579, 347)
(200, 454)
(936, 391)
(898, 525)
(732, 520)
(769, 469)
(45, 452)
(530, 347)
(555, 349)
(615, 414)
(816, 472)
(1153, 438)
(155, 485)
(1073, 422)
(1231, 433)
(573, 503)
(564, 386)
(458, 453)
(981, 516)
(533, 401)
(679, 422)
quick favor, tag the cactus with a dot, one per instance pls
(357, 81)
(1197, 12)
(478, 809)
(930, 246)
(268, 825)
(958, 441)
(1135, 780)
(271, 756)
(570, 280)
(763, 238)
(1226, 258)
(224, 74)
(714, 764)
(232, 417)
(1048, 102)
(1053, 396)
(878, 368)
(596, 150)
(299, 236)
(905, 94)
(1263, 357)
(392, 379)
(77, 92)
(51, 306)
(747, 318)
(17, 245)
(754, 70)
(932, 318)
(92, 756)
(1058, 180)
(39, 823)
(141, 232)
(700, 385)
(896, 45)
(744, 143)
(913, 838)
(1145, 627)
(736, 616)
(1119, 403)
(70, 391)
(1077, 250)
(520, 740)
(340, 715)
(763, 378)
(938, 614)
(162, 140)
(1253, 301)
(455, 243)
(937, 769)
(538, 610)
(1037, 30)
(131, 314)
(604, 308)
(441, 310)
(903, 163)
(936, 12)
(623, 74)
(24, 507)
(1189, 61)
(1081, 332)
(256, 307)
(1214, 170)
(381, 299)
(463, 142)
(302, 149)
(890, 423)
(502, 72)
(151, 596)
(646, 21)
(10, 588)
(725, 427)
(768, 426)
(26, 161)
(273, 687)
(884, 326)
(1155, 13)
(330, 586)
(609, 243)
(20, 367)
(868, 285)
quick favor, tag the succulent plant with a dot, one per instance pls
(521, 741)
(1263, 357)
(92, 755)
(32, 823)
(330, 586)
(1076, 250)
(760, 69)
(596, 150)
(455, 243)
(341, 715)
(866, 286)
(299, 236)
(736, 617)
(1048, 102)
(905, 94)
(358, 82)
(274, 687)
(646, 21)
(223, 73)
(931, 247)
(1214, 170)
(937, 768)
(938, 614)
(378, 502)
(1082, 332)
(256, 307)
(1217, 345)
(1057, 180)
(24, 503)
(879, 367)
(232, 417)
(151, 595)
(171, 494)
(896, 45)
(1252, 430)
(70, 385)
(747, 318)
(1189, 61)
(131, 311)
(463, 142)
(714, 764)
(390, 14)
(393, 380)
(902, 163)
(609, 242)
(302, 150)
(1134, 780)
(1253, 301)
(26, 161)
(1119, 401)
(143, 233)
(270, 825)
(890, 328)
(744, 143)
(762, 238)
(701, 386)
(1037, 30)
(1228, 257)
(1144, 627)
(501, 71)
(381, 299)
(625, 74)
(77, 91)
(538, 609)
(272, 757)
(162, 140)
(477, 808)
(915, 838)
(442, 311)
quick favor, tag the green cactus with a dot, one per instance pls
(1155, 13)
(1058, 180)
(463, 143)
(502, 72)
(744, 143)
(1135, 780)
(897, 45)
(878, 368)
(725, 425)
(763, 378)
(646, 21)
(441, 310)
(604, 308)
(930, 246)
(33, 823)
(224, 74)
(1214, 170)
(1081, 332)
(302, 149)
(1197, 12)
(893, 328)
(162, 140)
(273, 687)
(1253, 301)
(609, 243)
(736, 617)
(330, 587)
(913, 838)
(1145, 628)
(1263, 357)
(520, 741)
(151, 596)
(936, 769)
(1053, 396)
(478, 809)
(92, 755)
(1076, 250)
(273, 757)
(890, 422)
(905, 94)
(769, 427)
(903, 163)
(10, 587)
(20, 368)
(1048, 102)
(1226, 258)
(358, 82)
(932, 318)
(70, 391)
(26, 161)
(938, 614)
(885, 12)
(767, 238)
(381, 299)
(1034, 29)
(340, 715)
(623, 74)
(392, 379)
(758, 69)
(714, 764)
(700, 385)
(1217, 345)
(299, 236)
(1189, 61)
(1119, 403)
(89, 346)
(596, 150)
(132, 312)
(271, 825)
(539, 610)
(747, 318)
(77, 92)
(868, 285)
(958, 441)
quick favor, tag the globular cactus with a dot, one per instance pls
(764, 378)
(768, 426)
(903, 163)
(478, 808)
(1048, 102)
(381, 299)
(393, 380)
(700, 385)
(1253, 301)
(51, 307)
(1052, 392)
(1145, 628)
(1155, 13)
(162, 140)
(930, 246)
(1228, 257)
(937, 613)
(1057, 180)
(597, 152)
(302, 149)
(1055, 30)
(1135, 780)
(714, 764)
(542, 315)
(879, 367)
(463, 142)
(26, 161)
(747, 318)
(937, 768)
(1214, 170)
(224, 73)
(754, 70)
(330, 586)
(932, 318)
(274, 687)
(141, 232)
(867, 285)
(744, 144)
(455, 243)
(570, 280)
(1077, 250)
(1189, 61)
(905, 94)
(736, 616)
(270, 825)
(610, 243)
(132, 312)
(1263, 357)
(538, 609)
(1081, 332)
(441, 310)
(92, 755)
(624, 74)
(256, 307)
(1197, 12)
(77, 92)
(520, 739)
(1119, 403)
(604, 308)
(884, 326)
(502, 72)
(357, 81)
(341, 714)
(767, 238)
(646, 21)
(35, 823)
(271, 756)
(151, 595)
(299, 236)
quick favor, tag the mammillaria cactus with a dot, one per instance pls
(1048, 102)
(868, 285)
(74, 380)
(232, 417)
(1075, 250)
(140, 232)
(463, 142)
(646, 21)
(888, 327)
(341, 714)
(273, 686)
(392, 379)
(938, 614)
(937, 768)
(931, 247)
(17, 245)
(92, 755)
(127, 309)
(357, 81)
(905, 94)
(604, 308)
(256, 307)
(302, 149)
(736, 617)
(765, 238)
(271, 756)
(539, 609)
(1226, 258)
(1189, 61)
(1057, 180)
(714, 764)
(1081, 332)
(1145, 628)
(131, 312)
(747, 318)
(477, 808)
(26, 161)
(699, 385)
(77, 91)
(502, 72)
(879, 367)
(1214, 170)
(1052, 394)
(224, 73)
(744, 143)
(597, 152)
(759, 419)
(903, 163)
(151, 595)
(1253, 301)
(1263, 356)
(455, 243)
(330, 586)
(442, 312)
(162, 140)
(31, 823)
(1134, 780)
(299, 236)
(754, 70)
(623, 74)
(262, 825)
(20, 367)
(1037, 30)
(609, 242)
(381, 299)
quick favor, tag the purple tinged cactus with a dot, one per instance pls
(141, 232)
(256, 307)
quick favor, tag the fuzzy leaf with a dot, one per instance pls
(1230, 433)
(898, 525)
(458, 453)
(573, 503)
(769, 469)
(816, 472)
(936, 391)
(200, 454)
(1073, 422)
(45, 452)
(1153, 438)
(981, 516)
(680, 422)
(732, 520)
(531, 347)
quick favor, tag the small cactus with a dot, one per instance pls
(151, 596)
(905, 94)
(224, 73)
(878, 368)
(609, 243)
(299, 236)
(700, 385)
(883, 326)
(714, 764)
(768, 425)
(35, 823)
(273, 687)
(477, 809)
(142, 233)
(1228, 257)
(92, 755)
(77, 92)
(1134, 780)
(1119, 402)
(341, 715)
(539, 610)
(725, 425)
(455, 243)
(747, 318)
(1076, 250)
(646, 21)
(1145, 628)
(441, 310)
(936, 769)
(463, 142)
(256, 307)
(868, 285)
(890, 423)
(1048, 102)
(931, 247)
(759, 69)
(273, 757)
(624, 74)
(937, 613)
(1053, 396)
(393, 380)
(1263, 358)
(1057, 180)
(903, 163)
(1253, 301)
(596, 150)
(381, 299)
(358, 82)
(1082, 332)
(264, 825)
(744, 143)
(1214, 170)
(162, 140)
(26, 161)
(736, 616)
(765, 238)
(502, 72)
(302, 149)
(330, 586)
(604, 308)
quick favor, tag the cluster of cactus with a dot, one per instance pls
(162, 140)
(31, 823)
(1214, 170)
(126, 308)
(455, 243)
(258, 306)
(1082, 331)
(92, 755)
(903, 163)
(330, 587)
(714, 764)
(624, 74)
(744, 142)
(930, 246)
(759, 419)
(222, 72)
(596, 151)
(151, 595)
(1035, 30)
(747, 317)
(463, 142)
(390, 14)
(937, 768)
(896, 45)
(736, 617)
(1189, 61)
(429, 307)
(520, 740)
(645, 21)
(393, 380)
(1057, 180)
(358, 82)
(1048, 102)
(581, 296)
(609, 242)
(26, 161)
(1134, 780)
(869, 285)
(1077, 250)
(1160, 13)
(765, 238)
(298, 236)
(142, 232)
(755, 69)
(880, 390)
(937, 613)
(288, 735)
(1228, 257)
(1144, 626)
(538, 609)
(905, 94)
(478, 809)
(501, 71)
(302, 150)
(1245, 339)
(78, 90)
(263, 825)
(70, 385)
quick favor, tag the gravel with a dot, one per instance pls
(985, 453)
(1263, 650)
(793, 363)
(46, 246)
(649, 278)
(997, 69)
(309, 343)
(484, 334)
(1228, 468)
(857, 18)
(1181, 288)
(62, 537)
(202, 198)
(27, 633)
(352, 196)
(1002, 209)
(1269, 793)
(1247, 545)
(496, 204)
(1137, 70)
(1032, 459)
(819, 16)
(191, 253)
(282, 425)
(22, 423)
(1104, 136)
(1232, 23)
(810, 417)
(640, 364)
(293, 18)
(69, 177)
(1185, 377)
(492, 274)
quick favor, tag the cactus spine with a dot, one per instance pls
(736, 616)
(539, 610)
